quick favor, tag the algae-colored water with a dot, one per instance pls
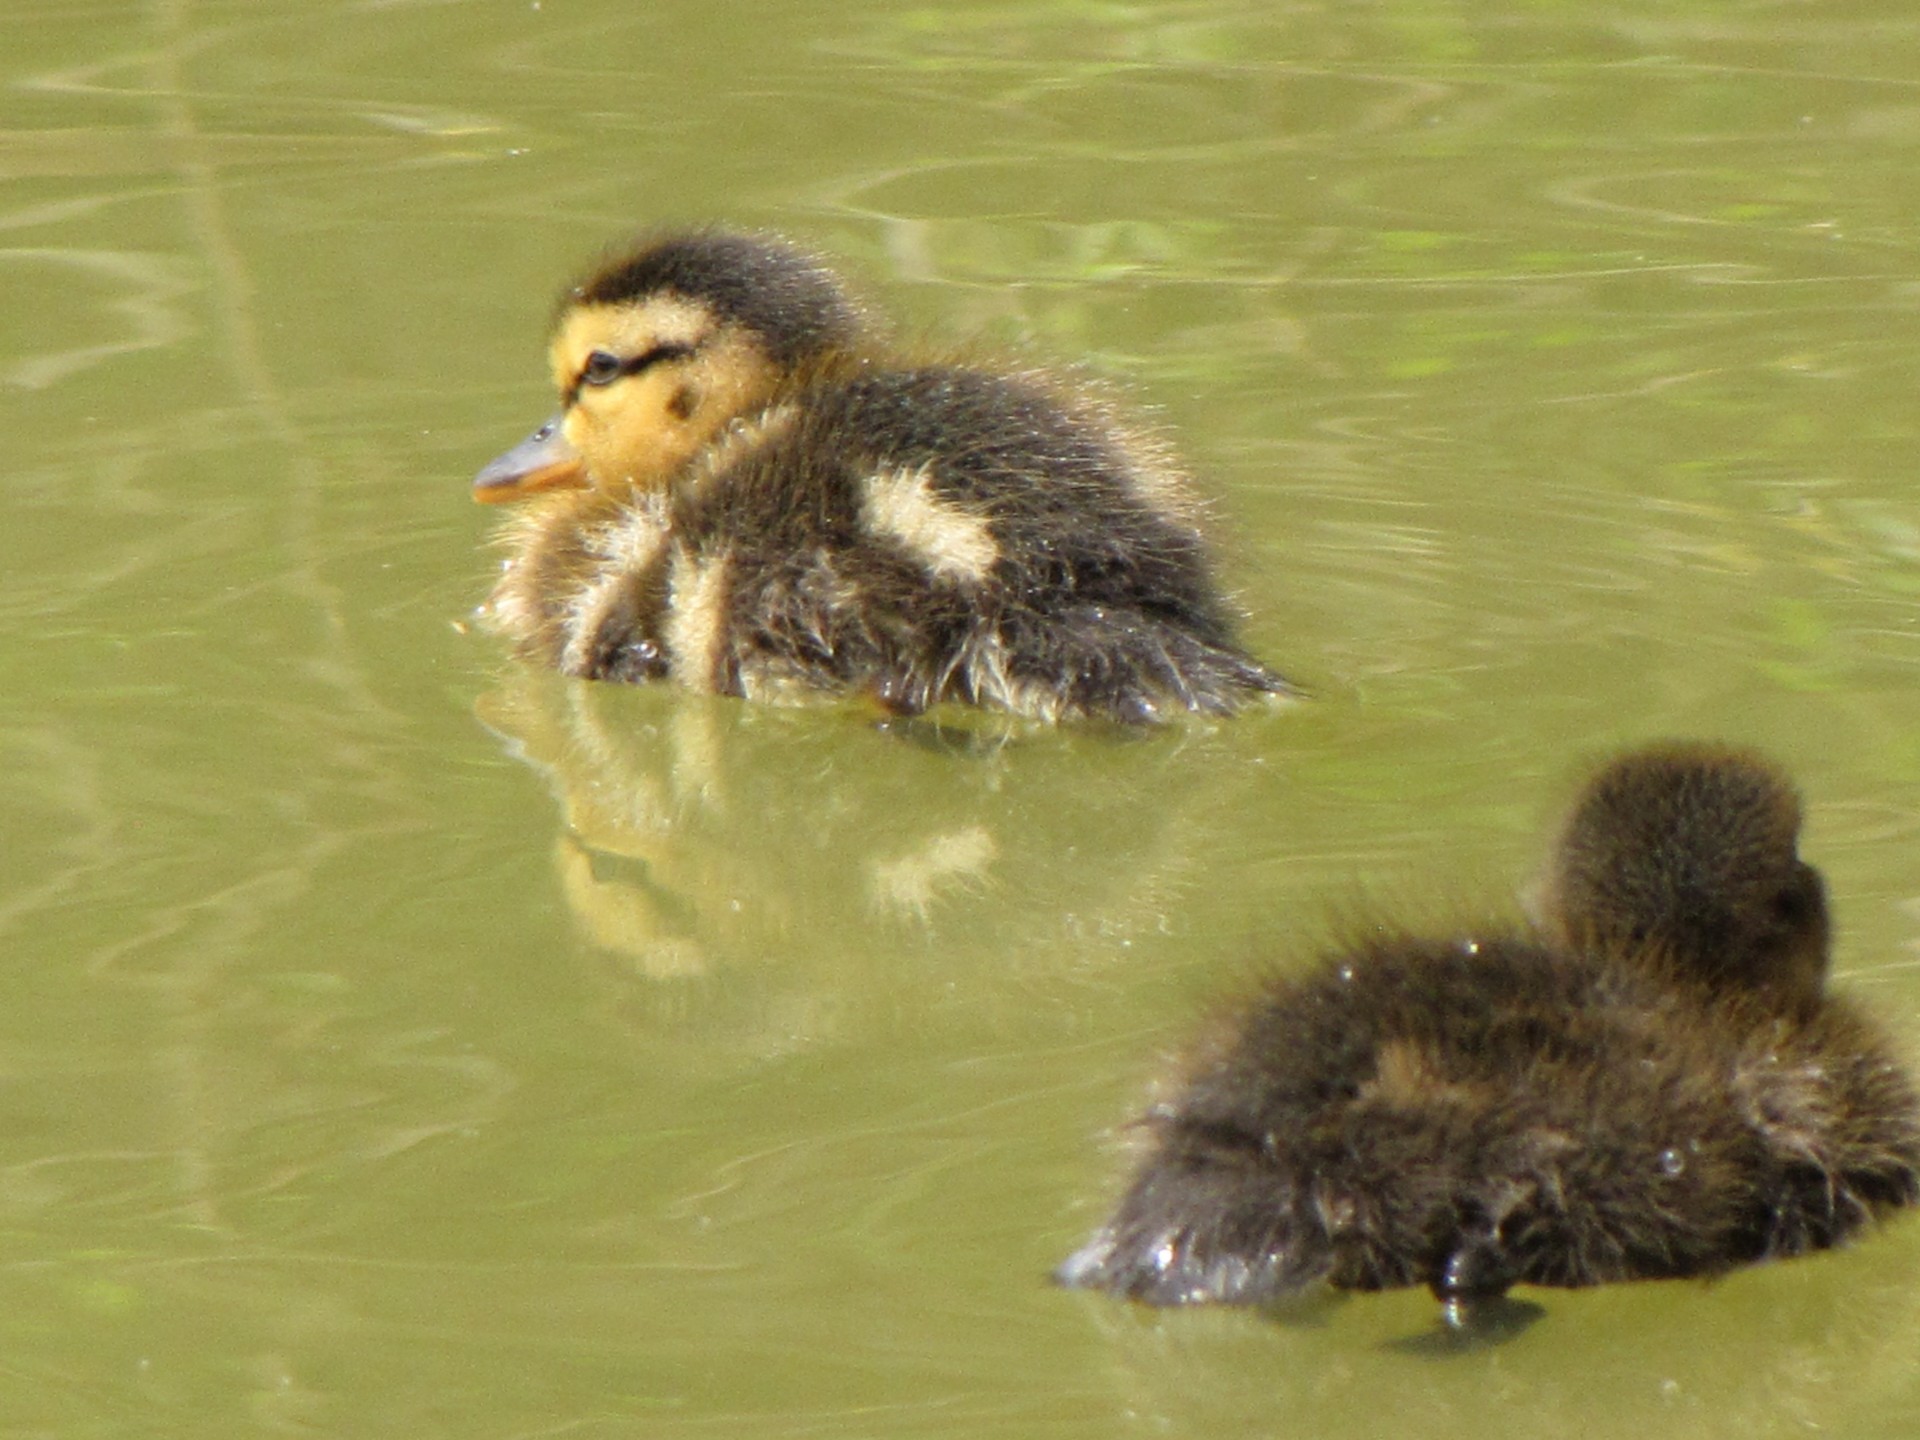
(403, 1044)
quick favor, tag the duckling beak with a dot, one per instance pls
(545, 460)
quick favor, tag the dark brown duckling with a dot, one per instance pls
(1649, 1084)
(746, 492)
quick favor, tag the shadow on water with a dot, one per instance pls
(1770, 1347)
(1467, 1326)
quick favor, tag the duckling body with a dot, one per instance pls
(1648, 1084)
(821, 516)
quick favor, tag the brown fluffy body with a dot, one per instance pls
(1649, 1084)
(775, 504)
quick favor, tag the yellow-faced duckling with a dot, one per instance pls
(1648, 1083)
(746, 492)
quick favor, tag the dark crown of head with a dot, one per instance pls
(1691, 845)
(1725, 811)
(790, 302)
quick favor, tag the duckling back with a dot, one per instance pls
(1477, 1112)
(1471, 1115)
(944, 534)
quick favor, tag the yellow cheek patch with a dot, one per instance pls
(645, 426)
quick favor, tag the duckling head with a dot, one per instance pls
(661, 348)
(1686, 854)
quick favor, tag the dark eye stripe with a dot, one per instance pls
(632, 365)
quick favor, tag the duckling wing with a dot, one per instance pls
(952, 534)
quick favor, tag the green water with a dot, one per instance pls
(401, 1044)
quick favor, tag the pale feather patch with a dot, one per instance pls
(624, 548)
(948, 540)
(634, 539)
(993, 685)
(1407, 1078)
(696, 625)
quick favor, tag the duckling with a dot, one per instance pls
(1648, 1083)
(746, 492)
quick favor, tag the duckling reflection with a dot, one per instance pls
(1651, 1083)
(700, 836)
(746, 492)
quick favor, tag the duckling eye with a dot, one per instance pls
(601, 369)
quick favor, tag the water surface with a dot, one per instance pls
(405, 1044)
